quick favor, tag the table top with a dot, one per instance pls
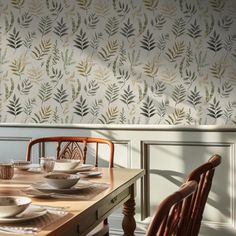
(116, 179)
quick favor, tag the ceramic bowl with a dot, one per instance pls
(13, 205)
(62, 180)
(66, 164)
(21, 164)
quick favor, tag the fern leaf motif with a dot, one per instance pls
(158, 22)
(42, 50)
(178, 27)
(176, 52)
(194, 98)
(148, 42)
(92, 21)
(81, 40)
(148, 109)
(151, 4)
(61, 95)
(128, 30)
(214, 43)
(179, 94)
(177, 117)
(81, 107)
(43, 115)
(109, 51)
(25, 87)
(61, 29)
(110, 116)
(45, 25)
(215, 111)
(25, 20)
(112, 26)
(128, 96)
(14, 107)
(158, 88)
(14, 41)
(112, 93)
(195, 30)
(45, 92)
(92, 88)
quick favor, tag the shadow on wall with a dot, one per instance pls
(213, 230)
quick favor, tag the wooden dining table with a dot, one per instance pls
(85, 213)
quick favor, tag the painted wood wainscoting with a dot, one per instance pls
(167, 153)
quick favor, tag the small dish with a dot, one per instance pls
(85, 167)
(81, 168)
(61, 180)
(12, 205)
(21, 164)
(91, 174)
(66, 164)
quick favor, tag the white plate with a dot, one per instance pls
(31, 212)
(91, 174)
(45, 187)
(84, 167)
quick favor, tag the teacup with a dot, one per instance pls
(6, 170)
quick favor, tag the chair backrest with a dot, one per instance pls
(170, 211)
(72, 147)
(203, 175)
(189, 221)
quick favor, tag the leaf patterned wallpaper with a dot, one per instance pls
(169, 62)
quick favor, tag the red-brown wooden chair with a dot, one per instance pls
(189, 222)
(75, 147)
(203, 175)
(169, 213)
(72, 147)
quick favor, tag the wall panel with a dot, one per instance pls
(167, 155)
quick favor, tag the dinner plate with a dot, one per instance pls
(30, 213)
(91, 174)
(45, 187)
(81, 168)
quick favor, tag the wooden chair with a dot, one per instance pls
(169, 213)
(203, 175)
(189, 222)
(74, 147)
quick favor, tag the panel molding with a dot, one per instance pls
(145, 164)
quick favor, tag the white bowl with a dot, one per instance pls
(21, 164)
(66, 164)
(62, 180)
(13, 205)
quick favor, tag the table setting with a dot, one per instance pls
(18, 215)
(53, 179)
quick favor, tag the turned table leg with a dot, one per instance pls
(129, 223)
